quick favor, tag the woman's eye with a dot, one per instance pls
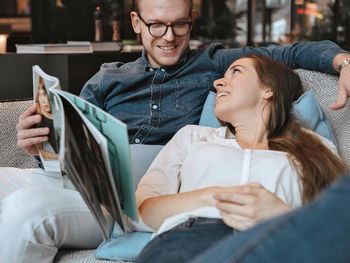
(236, 70)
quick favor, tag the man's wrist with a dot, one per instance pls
(340, 61)
(344, 63)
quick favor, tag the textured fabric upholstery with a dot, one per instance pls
(325, 87)
(11, 155)
(83, 256)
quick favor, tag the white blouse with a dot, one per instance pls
(198, 157)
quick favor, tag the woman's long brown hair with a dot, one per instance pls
(316, 164)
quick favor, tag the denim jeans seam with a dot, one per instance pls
(184, 226)
(254, 244)
(160, 238)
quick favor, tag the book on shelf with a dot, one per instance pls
(70, 47)
(52, 48)
(102, 46)
(92, 149)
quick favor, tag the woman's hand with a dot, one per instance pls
(244, 206)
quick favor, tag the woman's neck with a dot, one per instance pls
(251, 134)
(255, 139)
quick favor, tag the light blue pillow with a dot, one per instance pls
(310, 114)
(124, 247)
(306, 109)
(127, 247)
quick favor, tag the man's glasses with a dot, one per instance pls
(179, 29)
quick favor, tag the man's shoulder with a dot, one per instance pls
(121, 67)
(212, 48)
(216, 52)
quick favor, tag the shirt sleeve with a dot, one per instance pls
(92, 90)
(316, 56)
(163, 176)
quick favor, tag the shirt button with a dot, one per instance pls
(151, 70)
(137, 140)
(155, 107)
(162, 70)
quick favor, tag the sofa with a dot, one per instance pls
(324, 86)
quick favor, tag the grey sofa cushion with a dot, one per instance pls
(83, 256)
(11, 154)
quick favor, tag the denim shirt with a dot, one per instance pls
(156, 102)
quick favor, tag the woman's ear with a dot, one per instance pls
(135, 22)
(268, 94)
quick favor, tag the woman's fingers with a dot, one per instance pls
(237, 222)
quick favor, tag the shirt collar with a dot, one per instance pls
(182, 61)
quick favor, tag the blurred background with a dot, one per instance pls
(232, 22)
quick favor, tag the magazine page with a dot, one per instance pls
(86, 161)
(116, 134)
(48, 151)
(85, 190)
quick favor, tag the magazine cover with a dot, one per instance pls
(48, 151)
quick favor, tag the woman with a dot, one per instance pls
(261, 164)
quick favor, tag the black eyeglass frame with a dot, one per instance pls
(148, 25)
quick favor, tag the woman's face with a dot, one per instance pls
(239, 91)
(43, 101)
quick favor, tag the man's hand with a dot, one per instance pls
(344, 82)
(244, 206)
(27, 135)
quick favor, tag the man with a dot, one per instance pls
(155, 95)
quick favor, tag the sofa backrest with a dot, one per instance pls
(325, 88)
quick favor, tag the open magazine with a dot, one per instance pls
(91, 147)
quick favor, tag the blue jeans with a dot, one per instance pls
(183, 242)
(318, 232)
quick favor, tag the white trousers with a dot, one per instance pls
(39, 218)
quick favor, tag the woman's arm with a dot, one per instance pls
(158, 194)
(243, 206)
(155, 210)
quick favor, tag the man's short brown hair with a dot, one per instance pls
(137, 2)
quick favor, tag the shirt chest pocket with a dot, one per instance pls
(191, 93)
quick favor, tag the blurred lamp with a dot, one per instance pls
(3, 43)
(4, 33)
